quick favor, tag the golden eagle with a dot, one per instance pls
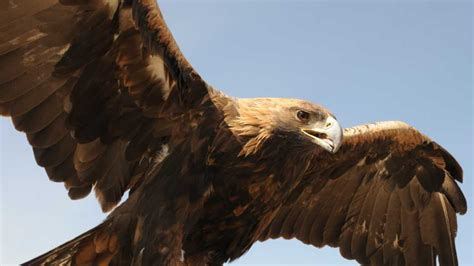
(108, 102)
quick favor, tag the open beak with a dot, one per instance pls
(329, 137)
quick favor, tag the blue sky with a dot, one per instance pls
(365, 61)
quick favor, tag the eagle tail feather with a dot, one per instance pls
(94, 247)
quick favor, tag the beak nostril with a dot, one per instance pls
(328, 125)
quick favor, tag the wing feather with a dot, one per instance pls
(49, 135)
(44, 113)
(322, 209)
(362, 221)
(32, 99)
(393, 203)
(376, 223)
(337, 218)
(391, 247)
(415, 252)
(92, 88)
(55, 154)
(61, 172)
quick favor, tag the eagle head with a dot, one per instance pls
(297, 121)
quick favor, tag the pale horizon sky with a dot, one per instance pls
(366, 61)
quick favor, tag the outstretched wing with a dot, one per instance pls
(388, 197)
(96, 85)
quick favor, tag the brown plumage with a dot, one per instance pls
(109, 103)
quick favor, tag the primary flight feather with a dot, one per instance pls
(109, 103)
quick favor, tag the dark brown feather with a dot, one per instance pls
(392, 248)
(23, 84)
(337, 218)
(50, 135)
(401, 212)
(43, 114)
(55, 154)
(73, 57)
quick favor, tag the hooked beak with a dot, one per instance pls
(329, 137)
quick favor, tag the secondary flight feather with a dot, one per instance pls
(109, 103)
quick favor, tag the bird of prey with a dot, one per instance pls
(109, 103)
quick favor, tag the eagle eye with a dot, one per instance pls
(302, 115)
